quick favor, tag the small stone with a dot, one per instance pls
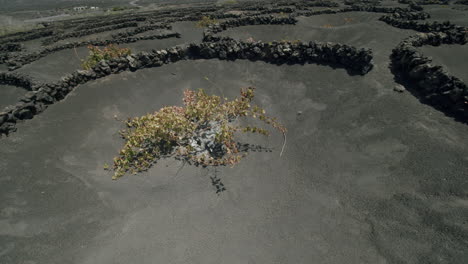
(299, 113)
(399, 88)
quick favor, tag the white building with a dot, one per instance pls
(79, 8)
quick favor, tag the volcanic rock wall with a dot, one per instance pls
(433, 84)
(34, 102)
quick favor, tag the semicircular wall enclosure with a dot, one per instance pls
(373, 95)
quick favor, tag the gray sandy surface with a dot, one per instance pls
(356, 156)
(56, 65)
(454, 58)
(188, 30)
(368, 176)
(33, 45)
(10, 95)
(100, 35)
(444, 13)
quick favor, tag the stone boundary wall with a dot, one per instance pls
(409, 15)
(16, 34)
(6, 49)
(11, 47)
(338, 55)
(356, 61)
(256, 6)
(432, 2)
(221, 15)
(209, 33)
(87, 32)
(20, 110)
(423, 27)
(18, 79)
(425, 2)
(315, 4)
(19, 60)
(432, 84)
(141, 29)
(257, 20)
(355, 2)
(376, 9)
(110, 22)
(285, 10)
(309, 13)
(358, 8)
(28, 36)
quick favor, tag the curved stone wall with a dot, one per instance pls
(357, 61)
(18, 60)
(432, 83)
(87, 32)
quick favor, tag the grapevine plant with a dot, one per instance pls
(206, 21)
(202, 132)
(109, 52)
